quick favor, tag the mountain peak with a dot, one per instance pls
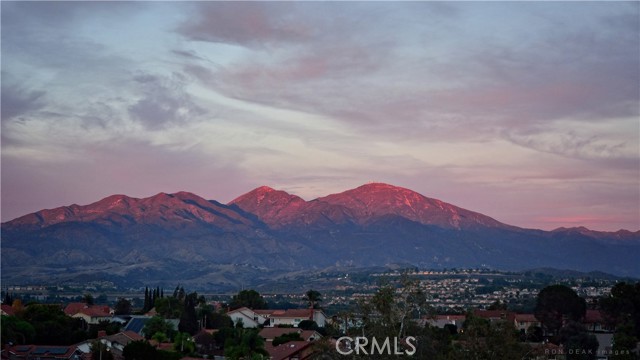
(375, 200)
(378, 185)
(269, 204)
(265, 188)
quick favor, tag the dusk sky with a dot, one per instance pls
(526, 112)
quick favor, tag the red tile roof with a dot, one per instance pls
(494, 314)
(124, 337)
(450, 317)
(90, 310)
(8, 309)
(272, 333)
(285, 351)
(526, 318)
(593, 316)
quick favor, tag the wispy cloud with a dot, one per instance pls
(164, 102)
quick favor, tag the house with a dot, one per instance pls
(293, 317)
(42, 352)
(137, 322)
(268, 334)
(7, 310)
(594, 321)
(91, 314)
(495, 315)
(293, 350)
(523, 322)
(114, 343)
(440, 321)
(249, 318)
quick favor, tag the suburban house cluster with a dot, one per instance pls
(274, 323)
(525, 323)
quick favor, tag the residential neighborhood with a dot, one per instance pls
(186, 325)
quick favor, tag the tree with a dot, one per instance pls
(123, 307)
(212, 319)
(157, 324)
(160, 337)
(314, 298)
(308, 325)
(88, 299)
(100, 351)
(109, 327)
(557, 303)
(188, 319)
(622, 307)
(486, 340)
(285, 338)
(391, 309)
(169, 307)
(147, 301)
(52, 326)
(248, 298)
(247, 344)
(8, 299)
(16, 330)
(578, 343)
(624, 343)
(497, 305)
(139, 350)
(184, 343)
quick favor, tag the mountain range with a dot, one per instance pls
(181, 237)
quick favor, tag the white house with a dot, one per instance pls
(293, 317)
(249, 318)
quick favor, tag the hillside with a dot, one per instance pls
(183, 237)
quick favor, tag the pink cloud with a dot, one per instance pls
(245, 23)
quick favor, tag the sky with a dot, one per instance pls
(524, 111)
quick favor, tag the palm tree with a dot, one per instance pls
(314, 298)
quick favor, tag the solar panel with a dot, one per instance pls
(51, 350)
(136, 324)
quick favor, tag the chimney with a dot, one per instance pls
(102, 333)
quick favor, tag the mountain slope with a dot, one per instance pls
(279, 210)
(375, 200)
(181, 237)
